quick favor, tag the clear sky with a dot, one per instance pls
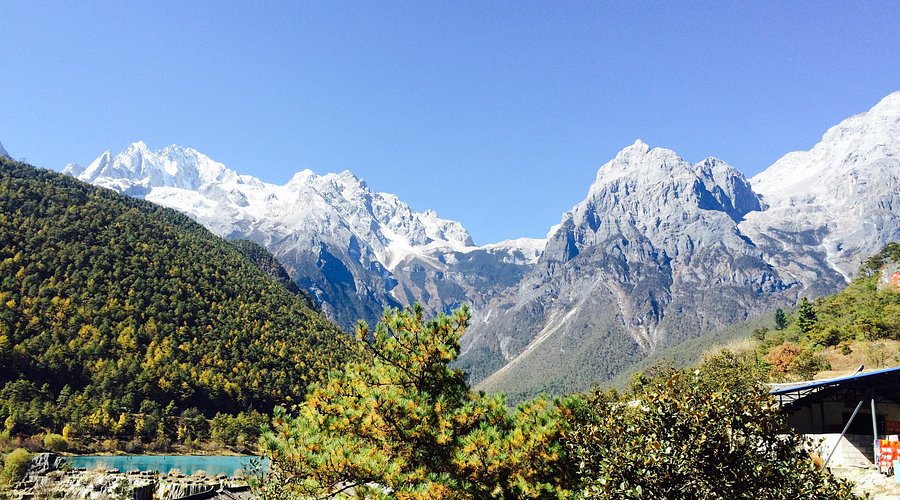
(493, 113)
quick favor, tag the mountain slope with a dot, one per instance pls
(653, 255)
(661, 251)
(842, 197)
(356, 250)
(108, 304)
(267, 262)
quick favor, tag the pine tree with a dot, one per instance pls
(780, 319)
(806, 316)
(405, 420)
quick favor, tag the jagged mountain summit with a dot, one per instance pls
(136, 171)
(653, 255)
(356, 250)
(3, 152)
(661, 250)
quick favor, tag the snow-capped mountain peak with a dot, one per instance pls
(832, 168)
(137, 169)
(356, 249)
(847, 188)
(190, 181)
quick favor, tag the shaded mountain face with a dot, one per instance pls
(659, 250)
(357, 251)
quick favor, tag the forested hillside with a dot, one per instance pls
(119, 317)
(267, 262)
(864, 316)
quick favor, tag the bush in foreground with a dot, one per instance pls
(15, 465)
(709, 432)
(401, 423)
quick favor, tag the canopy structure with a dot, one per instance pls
(830, 409)
(883, 385)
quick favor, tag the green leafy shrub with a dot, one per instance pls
(807, 364)
(826, 337)
(55, 443)
(699, 433)
(15, 465)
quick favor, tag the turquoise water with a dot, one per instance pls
(212, 465)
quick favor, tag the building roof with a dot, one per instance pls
(883, 384)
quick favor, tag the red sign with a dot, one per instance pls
(891, 426)
(887, 453)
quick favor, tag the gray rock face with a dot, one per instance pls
(42, 463)
(661, 250)
(653, 255)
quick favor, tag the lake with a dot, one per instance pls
(186, 464)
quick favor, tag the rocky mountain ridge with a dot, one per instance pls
(356, 250)
(653, 255)
(661, 250)
(658, 251)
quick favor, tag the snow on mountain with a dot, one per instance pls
(137, 170)
(187, 180)
(345, 242)
(531, 249)
(828, 173)
(845, 191)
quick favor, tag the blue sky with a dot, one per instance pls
(496, 114)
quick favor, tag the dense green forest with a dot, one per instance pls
(123, 319)
(270, 265)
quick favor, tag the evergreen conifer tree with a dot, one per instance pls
(806, 316)
(780, 319)
(403, 421)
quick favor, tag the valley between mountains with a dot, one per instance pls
(660, 250)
